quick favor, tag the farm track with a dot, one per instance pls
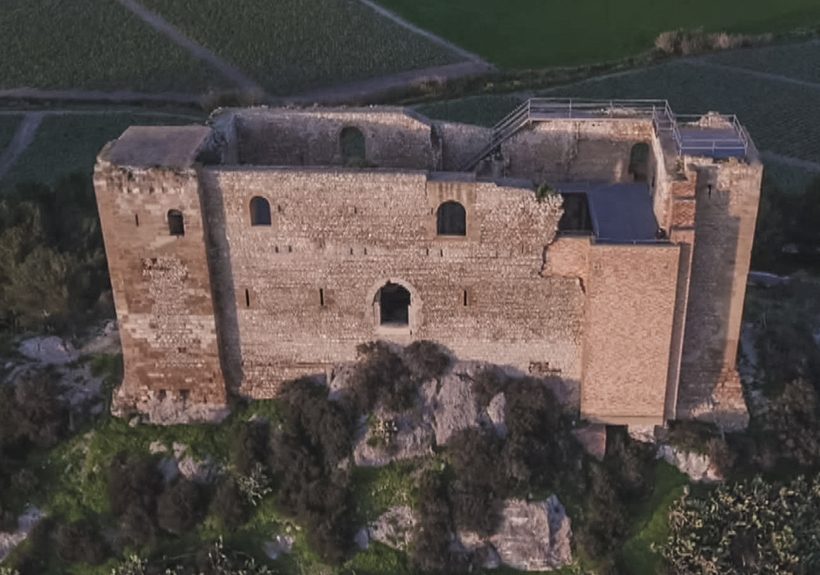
(366, 89)
(22, 139)
(756, 73)
(197, 50)
(390, 15)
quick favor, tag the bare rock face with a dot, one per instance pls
(450, 406)
(387, 437)
(168, 411)
(533, 536)
(49, 350)
(280, 545)
(496, 411)
(394, 527)
(698, 466)
(25, 524)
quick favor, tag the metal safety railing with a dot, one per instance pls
(664, 120)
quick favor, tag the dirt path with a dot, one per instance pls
(756, 73)
(390, 15)
(366, 90)
(197, 50)
(22, 138)
(116, 97)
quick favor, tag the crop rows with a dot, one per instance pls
(538, 33)
(798, 61)
(781, 117)
(290, 46)
(8, 125)
(91, 44)
(68, 144)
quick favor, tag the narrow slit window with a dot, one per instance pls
(465, 301)
(321, 297)
(176, 223)
(247, 298)
(137, 220)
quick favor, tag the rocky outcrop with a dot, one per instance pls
(180, 461)
(278, 546)
(49, 350)
(532, 536)
(698, 466)
(444, 407)
(394, 528)
(168, 410)
(25, 524)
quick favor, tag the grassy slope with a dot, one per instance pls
(539, 33)
(91, 44)
(294, 45)
(8, 125)
(650, 526)
(66, 144)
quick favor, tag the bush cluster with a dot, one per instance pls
(687, 42)
(748, 527)
(80, 542)
(142, 502)
(306, 458)
(52, 263)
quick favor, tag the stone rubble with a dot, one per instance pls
(25, 524)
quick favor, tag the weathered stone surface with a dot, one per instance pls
(106, 341)
(394, 528)
(698, 466)
(280, 545)
(451, 405)
(413, 437)
(592, 438)
(49, 350)
(25, 524)
(533, 536)
(229, 304)
(496, 411)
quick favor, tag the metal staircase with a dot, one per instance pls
(663, 119)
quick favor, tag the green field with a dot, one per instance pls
(8, 125)
(70, 143)
(798, 61)
(540, 33)
(295, 45)
(91, 44)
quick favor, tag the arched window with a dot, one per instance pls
(639, 162)
(176, 223)
(351, 144)
(451, 219)
(260, 211)
(394, 305)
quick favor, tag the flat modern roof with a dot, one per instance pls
(620, 213)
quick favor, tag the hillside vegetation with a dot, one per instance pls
(538, 33)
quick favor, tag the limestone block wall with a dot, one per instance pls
(305, 286)
(631, 296)
(572, 150)
(161, 285)
(393, 137)
(727, 196)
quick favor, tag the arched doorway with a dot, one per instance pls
(394, 305)
(639, 162)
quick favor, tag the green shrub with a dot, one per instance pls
(479, 486)
(249, 446)
(134, 481)
(381, 377)
(434, 529)
(748, 527)
(629, 464)
(488, 383)
(426, 359)
(790, 428)
(41, 417)
(180, 506)
(306, 453)
(604, 523)
(229, 505)
(137, 526)
(80, 542)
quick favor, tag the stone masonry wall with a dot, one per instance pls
(566, 150)
(631, 296)
(161, 286)
(339, 235)
(393, 137)
(727, 197)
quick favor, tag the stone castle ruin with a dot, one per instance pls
(605, 244)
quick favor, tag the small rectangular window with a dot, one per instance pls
(247, 298)
(184, 394)
(321, 297)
